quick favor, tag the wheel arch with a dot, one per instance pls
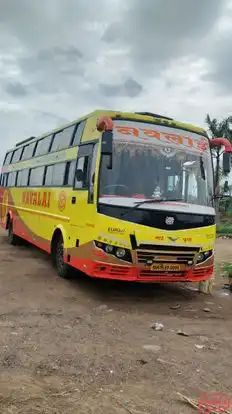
(9, 217)
(59, 231)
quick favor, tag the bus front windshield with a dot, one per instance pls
(163, 164)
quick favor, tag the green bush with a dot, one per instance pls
(225, 229)
(228, 269)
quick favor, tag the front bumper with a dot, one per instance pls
(101, 269)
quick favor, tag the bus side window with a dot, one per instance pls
(17, 155)
(23, 177)
(8, 158)
(69, 173)
(12, 179)
(4, 181)
(58, 174)
(62, 138)
(81, 174)
(76, 139)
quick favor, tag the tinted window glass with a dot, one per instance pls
(69, 173)
(22, 180)
(28, 151)
(48, 175)
(8, 158)
(55, 174)
(36, 176)
(3, 181)
(79, 133)
(82, 165)
(58, 174)
(12, 179)
(43, 146)
(63, 138)
(17, 155)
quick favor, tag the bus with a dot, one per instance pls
(115, 195)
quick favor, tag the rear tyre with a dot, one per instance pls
(63, 269)
(12, 238)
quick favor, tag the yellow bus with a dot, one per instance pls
(126, 196)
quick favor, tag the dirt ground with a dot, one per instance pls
(89, 346)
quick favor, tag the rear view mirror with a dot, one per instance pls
(107, 147)
(107, 143)
(226, 162)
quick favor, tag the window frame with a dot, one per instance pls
(93, 166)
(68, 164)
(29, 179)
(33, 151)
(73, 127)
(45, 174)
(28, 176)
(51, 136)
(85, 150)
(76, 144)
(20, 156)
(8, 153)
(15, 181)
(4, 180)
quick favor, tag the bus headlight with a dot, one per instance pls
(109, 248)
(204, 256)
(120, 253)
(200, 257)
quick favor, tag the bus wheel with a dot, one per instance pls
(62, 268)
(12, 238)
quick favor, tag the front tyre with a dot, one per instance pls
(63, 269)
(12, 238)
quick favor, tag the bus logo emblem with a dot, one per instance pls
(169, 221)
(4, 207)
(62, 201)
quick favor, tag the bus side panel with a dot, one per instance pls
(38, 212)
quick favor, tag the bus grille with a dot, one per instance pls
(148, 254)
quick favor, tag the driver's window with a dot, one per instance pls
(82, 166)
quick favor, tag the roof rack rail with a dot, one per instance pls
(155, 115)
(24, 141)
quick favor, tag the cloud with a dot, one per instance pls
(129, 88)
(220, 59)
(160, 31)
(60, 60)
(16, 89)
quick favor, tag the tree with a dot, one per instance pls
(218, 129)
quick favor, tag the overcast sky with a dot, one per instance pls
(60, 59)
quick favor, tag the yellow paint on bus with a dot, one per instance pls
(65, 219)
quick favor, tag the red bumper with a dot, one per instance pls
(137, 274)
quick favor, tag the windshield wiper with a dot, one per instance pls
(149, 201)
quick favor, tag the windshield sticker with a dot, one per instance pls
(165, 136)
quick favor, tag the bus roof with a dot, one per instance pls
(143, 116)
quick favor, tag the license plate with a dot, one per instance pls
(166, 267)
